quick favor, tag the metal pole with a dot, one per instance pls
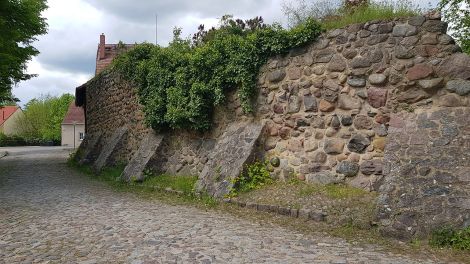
(74, 136)
(156, 29)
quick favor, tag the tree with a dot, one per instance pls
(7, 98)
(457, 14)
(20, 23)
(43, 117)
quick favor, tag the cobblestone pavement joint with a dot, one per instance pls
(50, 213)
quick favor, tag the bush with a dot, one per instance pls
(255, 176)
(180, 85)
(450, 237)
(14, 141)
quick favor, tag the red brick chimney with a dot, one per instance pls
(101, 48)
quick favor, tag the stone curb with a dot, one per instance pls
(314, 215)
(317, 216)
(167, 190)
(3, 154)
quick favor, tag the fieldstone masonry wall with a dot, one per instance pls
(327, 107)
(112, 103)
(187, 152)
(427, 172)
(331, 113)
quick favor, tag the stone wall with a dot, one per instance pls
(427, 172)
(111, 103)
(330, 114)
(187, 152)
(328, 106)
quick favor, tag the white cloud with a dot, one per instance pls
(48, 82)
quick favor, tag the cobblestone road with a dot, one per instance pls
(51, 214)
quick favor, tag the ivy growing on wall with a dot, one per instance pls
(180, 85)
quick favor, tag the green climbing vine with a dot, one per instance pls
(179, 85)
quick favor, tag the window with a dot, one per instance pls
(81, 135)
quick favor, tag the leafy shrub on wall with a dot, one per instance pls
(180, 85)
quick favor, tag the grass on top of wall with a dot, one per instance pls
(382, 10)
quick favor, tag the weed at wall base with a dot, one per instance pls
(255, 176)
(449, 237)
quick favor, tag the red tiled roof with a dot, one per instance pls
(6, 112)
(74, 114)
(110, 52)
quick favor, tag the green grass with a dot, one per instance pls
(152, 187)
(107, 174)
(333, 191)
(112, 173)
(254, 177)
(449, 237)
(179, 183)
(381, 10)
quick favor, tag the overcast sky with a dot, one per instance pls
(68, 51)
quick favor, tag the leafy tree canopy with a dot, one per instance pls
(20, 23)
(457, 13)
(43, 117)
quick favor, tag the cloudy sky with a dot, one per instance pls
(68, 51)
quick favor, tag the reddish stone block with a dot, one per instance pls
(377, 97)
(396, 121)
(326, 106)
(382, 118)
(419, 71)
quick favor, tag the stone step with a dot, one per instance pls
(148, 146)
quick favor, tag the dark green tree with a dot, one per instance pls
(20, 23)
(457, 14)
(7, 98)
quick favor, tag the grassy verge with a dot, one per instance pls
(345, 206)
(153, 186)
(333, 191)
(183, 184)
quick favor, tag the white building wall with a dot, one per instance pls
(68, 136)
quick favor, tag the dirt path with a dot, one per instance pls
(52, 214)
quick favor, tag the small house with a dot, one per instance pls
(73, 126)
(9, 116)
